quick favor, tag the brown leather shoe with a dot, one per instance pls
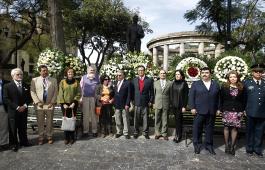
(50, 141)
(157, 137)
(40, 142)
(66, 142)
(165, 138)
(72, 141)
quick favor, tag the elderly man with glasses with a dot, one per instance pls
(88, 85)
(122, 104)
(17, 98)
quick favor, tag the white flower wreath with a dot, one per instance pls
(76, 64)
(129, 64)
(230, 63)
(189, 62)
(53, 59)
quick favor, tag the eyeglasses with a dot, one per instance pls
(106, 79)
(19, 74)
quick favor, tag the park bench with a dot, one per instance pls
(218, 128)
(57, 118)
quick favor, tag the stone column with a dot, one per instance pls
(155, 56)
(217, 51)
(201, 48)
(165, 61)
(181, 49)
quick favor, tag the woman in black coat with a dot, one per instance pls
(179, 99)
(232, 107)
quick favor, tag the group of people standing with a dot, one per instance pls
(205, 98)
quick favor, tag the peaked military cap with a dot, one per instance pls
(258, 67)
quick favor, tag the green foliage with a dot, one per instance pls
(247, 21)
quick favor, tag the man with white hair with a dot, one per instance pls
(88, 85)
(17, 98)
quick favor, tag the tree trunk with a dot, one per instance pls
(56, 25)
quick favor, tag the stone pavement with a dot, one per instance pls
(110, 153)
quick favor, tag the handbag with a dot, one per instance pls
(68, 124)
(98, 110)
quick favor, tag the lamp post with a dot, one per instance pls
(228, 28)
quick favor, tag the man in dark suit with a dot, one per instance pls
(17, 97)
(204, 101)
(143, 96)
(255, 110)
(4, 139)
(122, 105)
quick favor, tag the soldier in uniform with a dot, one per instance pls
(255, 110)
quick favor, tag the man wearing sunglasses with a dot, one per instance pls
(255, 110)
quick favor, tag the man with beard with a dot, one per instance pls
(88, 85)
(204, 101)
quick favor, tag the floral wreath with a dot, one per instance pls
(228, 64)
(53, 59)
(76, 64)
(191, 67)
(129, 64)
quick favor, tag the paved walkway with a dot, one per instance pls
(111, 153)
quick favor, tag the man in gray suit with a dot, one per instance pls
(161, 105)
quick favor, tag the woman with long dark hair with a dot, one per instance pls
(179, 99)
(231, 107)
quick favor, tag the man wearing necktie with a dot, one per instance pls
(4, 134)
(122, 103)
(17, 98)
(161, 105)
(44, 90)
(255, 110)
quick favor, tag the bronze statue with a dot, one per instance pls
(135, 33)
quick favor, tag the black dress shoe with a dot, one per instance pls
(95, 135)
(197, 150)
(135, 136)
(146, 136)
(249, 153)
(117, 135)
(15, 148)
(176, 140)
(26, 144)
(232, 151)
(127, 136)
(211, 150)
(227, 149)
(258, 154)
